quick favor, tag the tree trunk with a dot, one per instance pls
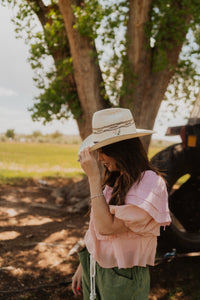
(148, 87)
(87, 73)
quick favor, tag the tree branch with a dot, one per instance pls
(138, 44)
(42, 10)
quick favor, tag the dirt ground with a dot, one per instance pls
(38, 243)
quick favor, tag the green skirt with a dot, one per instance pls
(114, 283)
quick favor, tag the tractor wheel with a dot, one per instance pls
(184, 201)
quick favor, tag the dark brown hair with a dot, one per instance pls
(131, 160)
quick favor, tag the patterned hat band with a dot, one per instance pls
(113, 127)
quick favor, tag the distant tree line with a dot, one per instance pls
(38, 137)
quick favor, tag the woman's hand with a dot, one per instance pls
(77, 281)
(89, 163)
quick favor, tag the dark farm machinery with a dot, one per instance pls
(176, 161)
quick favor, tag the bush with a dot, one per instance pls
(56, 135)
(10, 133)
(36, 134)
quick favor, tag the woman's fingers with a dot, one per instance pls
(85, 154)
(74, 285)
(77, 283)
(88, 163)
(79, 290)
(79, 286)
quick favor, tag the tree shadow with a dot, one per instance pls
(34, 245)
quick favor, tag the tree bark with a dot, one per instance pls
(87, 72)
(148, 87)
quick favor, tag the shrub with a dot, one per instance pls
(10, 133)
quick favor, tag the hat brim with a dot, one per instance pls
(94, 145)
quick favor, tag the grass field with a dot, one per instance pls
(19, 161)
(25, 160)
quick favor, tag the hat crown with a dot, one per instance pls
(112, 119)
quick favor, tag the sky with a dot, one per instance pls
(17, 89)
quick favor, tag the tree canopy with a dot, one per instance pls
(131, 54)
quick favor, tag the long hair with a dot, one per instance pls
(131, 161)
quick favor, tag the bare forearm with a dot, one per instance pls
(105, 222)
(102, 215)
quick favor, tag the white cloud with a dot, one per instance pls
(7, 92)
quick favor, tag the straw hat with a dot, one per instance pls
(111, 126)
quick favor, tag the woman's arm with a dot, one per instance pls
(105, 222)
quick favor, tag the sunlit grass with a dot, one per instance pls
(153, 150)
(39, 154)
(24, 160)
(20, 161)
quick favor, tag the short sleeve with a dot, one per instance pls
(136, 219)
(150, 194)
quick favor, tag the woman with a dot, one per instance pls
(126, 211)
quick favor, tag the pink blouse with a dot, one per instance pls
(144, 211)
